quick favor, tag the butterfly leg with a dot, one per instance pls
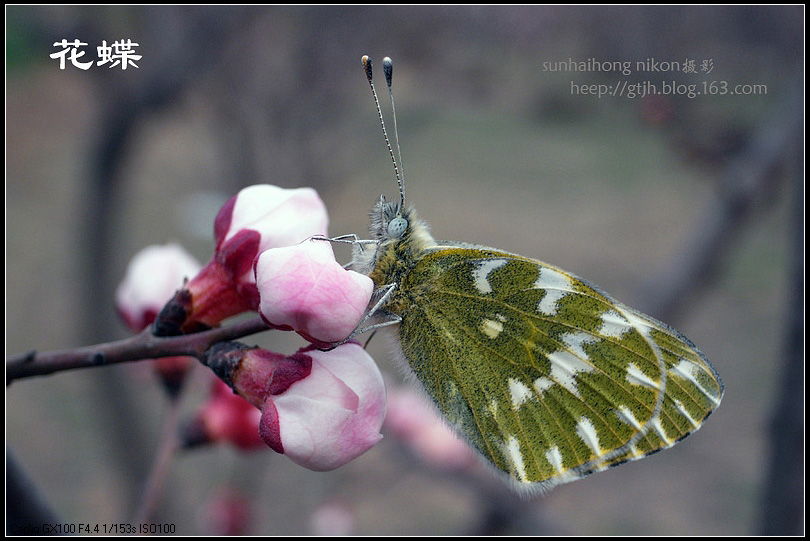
(393, 319)
(351, 238)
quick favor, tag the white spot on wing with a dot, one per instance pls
(636, 377)
(625, 414)
(491, 328)
(492, 408)
(688, 370)
(659, 429)
(565, 365)
(556, 286)
(576, 340)
(682, 410)
(541, 384)
(564, 368)
(614, 325)
(587, 433)
(481, 274)
(512, 451)
(554, 457)
(519, 392)
(639, 323)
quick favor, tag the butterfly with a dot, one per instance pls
(545, 375)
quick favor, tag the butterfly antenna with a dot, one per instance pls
(388, 70)
(367, 67)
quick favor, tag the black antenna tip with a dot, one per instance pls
(388, 70)
(367, 66)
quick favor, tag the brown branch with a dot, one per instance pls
(142, 346)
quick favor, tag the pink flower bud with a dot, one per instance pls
(303, 288)
(321, 409)
(227, 417)
(414, 421)
(257, 218)
(330, 417)
(262, 217)
(281, 217)
(152, 277)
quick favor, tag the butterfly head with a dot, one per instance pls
(400, 236)
(389, 221)
(395, 228)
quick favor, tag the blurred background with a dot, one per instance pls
(690, 209)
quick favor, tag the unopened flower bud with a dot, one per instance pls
(227, 417)
(256, 219)
(321, 409)
(152, 277)
(303, 288)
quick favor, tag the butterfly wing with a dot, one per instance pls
(547, 377)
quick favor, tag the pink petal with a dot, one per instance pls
(332, 416)
(152, 278)
(282, 217)
(303, 287)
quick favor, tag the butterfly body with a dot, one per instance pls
(546, 376)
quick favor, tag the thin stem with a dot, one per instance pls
(139, 347)
(170, 443)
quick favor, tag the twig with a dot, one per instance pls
(139, 347)
(170, 443)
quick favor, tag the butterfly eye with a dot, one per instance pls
(397, 227)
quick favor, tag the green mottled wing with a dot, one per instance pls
(543, 374)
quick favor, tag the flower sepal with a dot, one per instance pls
(321, 409)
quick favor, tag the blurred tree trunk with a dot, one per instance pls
(783, 498)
